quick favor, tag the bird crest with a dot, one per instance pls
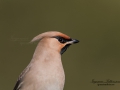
(49, 34)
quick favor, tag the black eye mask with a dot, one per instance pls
(62, 40)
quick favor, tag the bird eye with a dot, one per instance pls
(61, 40)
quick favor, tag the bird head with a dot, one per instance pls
(55, 40)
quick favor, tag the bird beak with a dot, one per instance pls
(73, 41)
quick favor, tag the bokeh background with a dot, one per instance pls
(96, 23)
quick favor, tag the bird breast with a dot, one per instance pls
(45, 75)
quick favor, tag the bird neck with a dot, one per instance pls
(43, 52)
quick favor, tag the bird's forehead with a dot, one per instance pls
(55, 34)
(63, 35)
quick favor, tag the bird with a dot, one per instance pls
(45, 70)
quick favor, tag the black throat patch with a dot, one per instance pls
(64, 48)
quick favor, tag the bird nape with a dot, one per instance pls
(45, 70)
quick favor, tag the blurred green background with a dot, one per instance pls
(96, 23)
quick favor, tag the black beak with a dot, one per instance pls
(75, 41)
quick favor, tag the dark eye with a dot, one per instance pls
(61, 40)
